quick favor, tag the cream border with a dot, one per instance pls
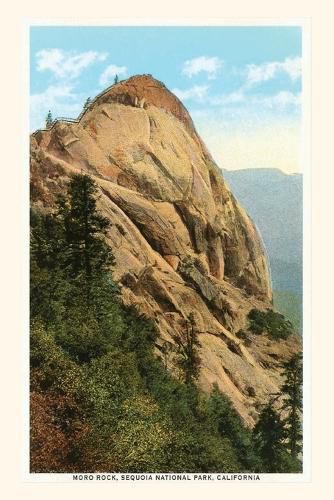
(15, 191)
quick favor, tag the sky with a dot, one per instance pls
(242, 85)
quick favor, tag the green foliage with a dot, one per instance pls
(271, 322)
(226, 421)
(142, 436)
(101, 399)
(71, 285)
(48, 285)
(187, 347)
(48, 363)
(48, 120)
(87, 253)
(278, 433)
(292, 403)
(268, 436)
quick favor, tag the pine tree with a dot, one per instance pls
(48, 120)
(85, 229)
(187, 347)
(223, 417)
(87, 102)
(48, 283)
(292, 403)
(269, 435)
(72, 290)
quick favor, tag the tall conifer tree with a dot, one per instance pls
(85, 229)
(269, 435)
(292, 404)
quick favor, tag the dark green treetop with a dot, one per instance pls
(48, 120)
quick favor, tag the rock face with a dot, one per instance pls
(182, 242)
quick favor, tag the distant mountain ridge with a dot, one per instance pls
(274, 200)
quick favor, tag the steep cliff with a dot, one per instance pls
(182, 242)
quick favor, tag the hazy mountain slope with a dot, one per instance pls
(274, 200)
(291, 305)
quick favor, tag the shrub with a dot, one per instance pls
(270, 322)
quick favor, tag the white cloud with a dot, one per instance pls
(110, 72)
(198, 93)
(239, 100)
(60, 99)
(257, 73)
(257, 102)
(66, 64)
(293, 67)
(281, 100)
(240, 103)
(209, 65)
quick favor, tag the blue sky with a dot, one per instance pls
(242, 85)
